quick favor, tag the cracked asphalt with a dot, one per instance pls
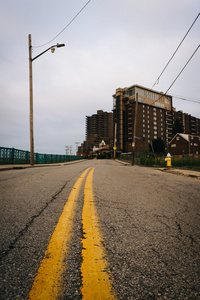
(150, 221)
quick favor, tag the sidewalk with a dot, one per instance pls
(18, 167)
(184, 172)
(176, 171)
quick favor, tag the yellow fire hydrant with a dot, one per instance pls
(168, 160)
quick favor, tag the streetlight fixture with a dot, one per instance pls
(52, 48)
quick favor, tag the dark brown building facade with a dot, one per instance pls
(191, 125)
(153, 118)
(182, 144)
(98, 127)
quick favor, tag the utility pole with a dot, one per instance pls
(52, 48)
(77, 143)
(67, 150)
(31, 103)
(115, 140)
(70, 150)
(134, 130)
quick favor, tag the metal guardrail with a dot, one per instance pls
(16, 156)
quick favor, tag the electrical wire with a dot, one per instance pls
(65, 26)
(182, 70)
(185, 99)
(157, 81)
(177, 76)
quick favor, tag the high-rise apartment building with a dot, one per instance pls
(191, 125)
(98, 128)
(153, 118)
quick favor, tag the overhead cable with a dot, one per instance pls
(65, 26)
(185, 99)
(175, 51)
(182, 70)
(177, 76)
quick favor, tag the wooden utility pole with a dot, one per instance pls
(134, 129)
(52, 48)
(31, 102)
(115, 139)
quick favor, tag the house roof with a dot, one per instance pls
(184, 136)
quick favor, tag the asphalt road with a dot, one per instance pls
(148, 222)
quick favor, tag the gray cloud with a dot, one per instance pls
(111, 44)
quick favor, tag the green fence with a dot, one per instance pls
(16, 156)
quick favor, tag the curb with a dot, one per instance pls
(187, 173)
(21, 167)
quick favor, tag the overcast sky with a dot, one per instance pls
(111, 44)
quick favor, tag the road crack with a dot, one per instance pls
(4, 253)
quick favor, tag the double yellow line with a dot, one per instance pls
(96, 282)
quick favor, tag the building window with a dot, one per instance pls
(140, 99)
(177, 138)
(132, 92)
(173, 145)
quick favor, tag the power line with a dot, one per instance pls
(177, 75)
(65, 26)
(182, 70)
(186, 99)
(175, 51)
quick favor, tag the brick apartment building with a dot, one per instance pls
(155, 118)
(99, 127)
(191, 125)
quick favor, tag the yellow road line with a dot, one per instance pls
(96, 283)
(48, 281)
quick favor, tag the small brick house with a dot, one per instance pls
(184, 144)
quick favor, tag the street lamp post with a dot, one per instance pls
(31, 91)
